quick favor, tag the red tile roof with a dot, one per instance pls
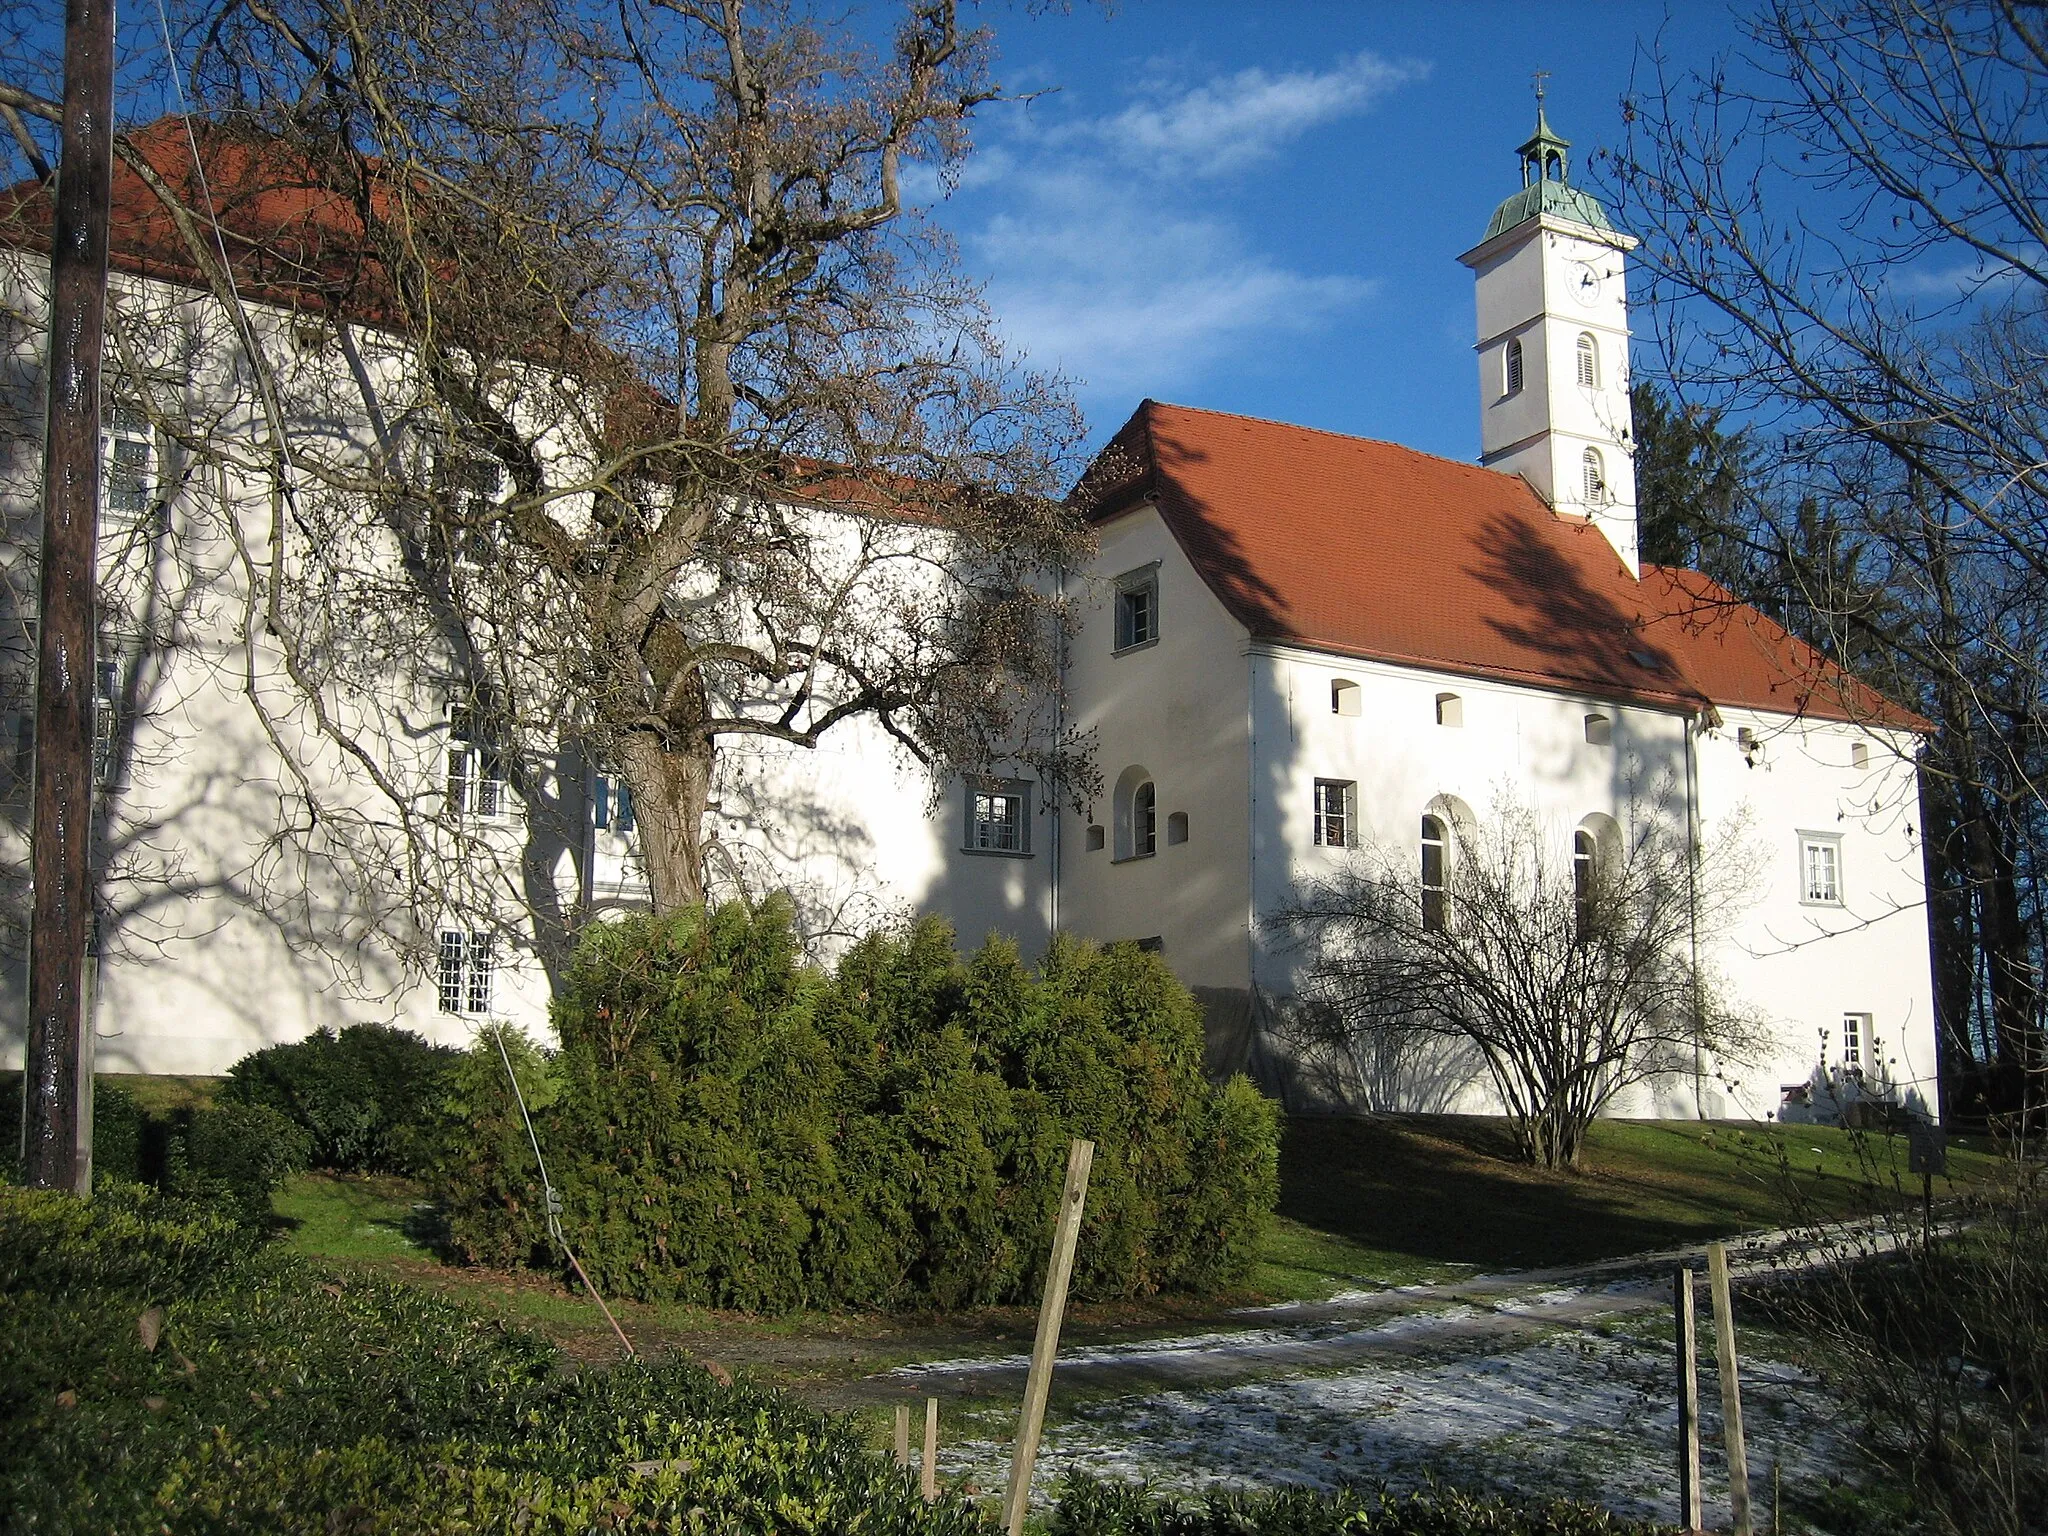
(1371, 550)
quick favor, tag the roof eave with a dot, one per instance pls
(1514, 235)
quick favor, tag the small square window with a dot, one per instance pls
(1450, 710)
(1335, 816)
(1820, 869)
(999, 817)
(1599, 731)
(1345, 698)
(1096, 840)
(1137, 608)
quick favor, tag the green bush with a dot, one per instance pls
(1089, 1507)
(739, 1129)
(366, 1097)
(230, 1155)
(269, 1395)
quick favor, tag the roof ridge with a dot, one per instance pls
(1342, 437)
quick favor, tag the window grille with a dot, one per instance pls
(1334, 813)
(1820, 860)
(476, 771)
(998, 820)
(468, 969)
(1137, 608)
(129, 448)
(1855, 1033)
(1435, 865)
(1145, 820)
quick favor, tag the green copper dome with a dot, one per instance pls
(1546, 186)
(1555, 197)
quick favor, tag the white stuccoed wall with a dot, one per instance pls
(1804, 965)
(1178, 709)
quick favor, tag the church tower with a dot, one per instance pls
(1553, 345)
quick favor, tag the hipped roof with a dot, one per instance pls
(1366, 549)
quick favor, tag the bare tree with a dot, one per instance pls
(1844, 227)
(603, 399)
(1571, 965)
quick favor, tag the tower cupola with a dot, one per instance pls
(1553, 344)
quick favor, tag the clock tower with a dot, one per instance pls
(1553, 345)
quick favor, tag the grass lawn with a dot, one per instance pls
(1418, 1193)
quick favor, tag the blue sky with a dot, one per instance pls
(1258, 207)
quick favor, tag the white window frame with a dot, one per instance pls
(1588, 351)
(1514, 372)
(1436, 894)
(999, 818)
(1141, 584)
(468, 971)
(1856, 1027)
(1336, 813)
(125, 425)
(1593, 467)
(611, 805)
(1811, 893)
(475, 782)
(106, 719)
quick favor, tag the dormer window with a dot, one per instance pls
(1514, 379)
(1589, 361)
(1595, 470)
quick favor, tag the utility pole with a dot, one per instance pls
(57, 1077)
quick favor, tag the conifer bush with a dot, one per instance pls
(733, 1127)
(366, 1097)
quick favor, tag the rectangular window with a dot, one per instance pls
(1137, 608)
(1334, 813)
(614, 804)
(1855, 1036)
(106, 721)
(128, 445)
(999, 817)
(1820, 869)
(468, 962)
(476, 771)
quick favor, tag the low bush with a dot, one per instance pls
(736, 1128)
(366, 1098)
(1092, 1508)
(161, 1371)
(231, 1155)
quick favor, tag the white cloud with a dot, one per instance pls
(1225, 124)
(1109, 252)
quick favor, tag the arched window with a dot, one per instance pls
(1599, 731)
(1450, 709)
(1435, 866)
(1137, 815)
(1344, 697)
(1589, 361)
(1515, 367)
(1596, 477)
(1585, 871)
(1176, 828)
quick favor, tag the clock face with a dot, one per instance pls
(1588, 285)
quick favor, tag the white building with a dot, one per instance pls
(1278, 625)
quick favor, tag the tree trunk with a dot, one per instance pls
(670, 792)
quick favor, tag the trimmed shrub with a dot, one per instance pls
(736, 1128)
(1089, 1507)
(270, 1395)
(366, 1097)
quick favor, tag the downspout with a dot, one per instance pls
(1052, 895)
(1692, 903)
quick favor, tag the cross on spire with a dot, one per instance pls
(1539, 76)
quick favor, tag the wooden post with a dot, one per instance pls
(929, 1478)
(1066, 1232)
(1688, 1402)
(1731, 1391)
(56, 1082)
(903, 1434)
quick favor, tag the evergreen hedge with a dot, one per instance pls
(366, 1098)
(733, 1127)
